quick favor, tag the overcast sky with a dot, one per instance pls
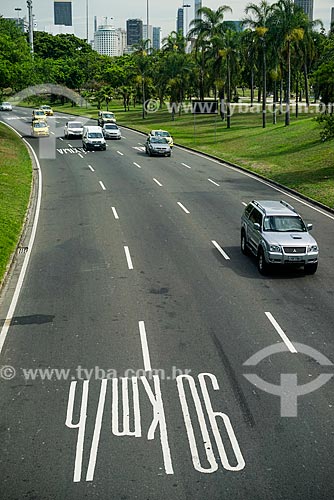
(161, 12)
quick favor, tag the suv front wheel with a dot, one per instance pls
(311, 268)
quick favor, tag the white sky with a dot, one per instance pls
(161, 12)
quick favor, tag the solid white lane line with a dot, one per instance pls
(136, 164)
(185, 165)
(213, 182)
(80, 155)
(102, 185)
(114, 212)
(12, 307)
(89, 166)
(183, 208)
(280, 332)
(119, 152)
(128, 257)
(155, 180)
(220, 250)
(144, 346)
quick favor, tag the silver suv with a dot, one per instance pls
(276, 234)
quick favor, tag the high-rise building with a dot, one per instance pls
(307, 6)
(134, 31)
(198, 5)
(180, 21)
(148, 33)
(108, 40)
(156, 37)
(62, 12)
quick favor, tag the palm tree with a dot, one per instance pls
(209, 31)
(258, 19)
(288, 23)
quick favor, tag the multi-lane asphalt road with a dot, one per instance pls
(126, 335)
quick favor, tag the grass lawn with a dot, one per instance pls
(293, 156)
(15, 184)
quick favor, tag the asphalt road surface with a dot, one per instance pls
(146, 357)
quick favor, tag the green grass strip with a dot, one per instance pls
(15, 186)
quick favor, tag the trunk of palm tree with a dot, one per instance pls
(297, 92)
(264, 83)
(252, 87)
(222, 103)
(288, 87)
(274, 104)
(307, 91)
(228, 123)
(281, 97)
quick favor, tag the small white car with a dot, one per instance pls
(74, 129)
(111, 131)
(6, 106)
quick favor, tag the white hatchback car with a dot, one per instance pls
(111, 131)
(74, 129)
(6, 106)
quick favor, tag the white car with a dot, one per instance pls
(6, 106)
(111, 131)
(74, 129)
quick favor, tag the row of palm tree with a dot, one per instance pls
(275, 34)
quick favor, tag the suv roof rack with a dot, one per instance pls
(257, 204)
(286, 204)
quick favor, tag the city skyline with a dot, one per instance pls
(163, 15)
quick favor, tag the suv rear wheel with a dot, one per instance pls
(243, 243)
(261, 262)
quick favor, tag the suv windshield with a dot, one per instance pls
(280, 223)
(75, 125)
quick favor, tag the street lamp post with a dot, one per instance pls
(18, 10)
(31, 30)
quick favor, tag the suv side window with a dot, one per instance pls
(256, 216)
(248, 210)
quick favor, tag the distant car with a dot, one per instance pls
(40, 128)
(38, 114)
(163, 133)
(157, 146)
(47, 109)
(92, 138)
(105, 117)
(74, 129)
(6, 106)
(276, 234)
(111, 131)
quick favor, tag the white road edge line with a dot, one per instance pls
(89, 166)
(185, 165)
(102, 185)
(155, 180)
(183, 207)
(220, 250)
(213, 182)
(136, 164)
(12, 307)
(144, 346)
(280, 332)
(120, 153)
(128, 257)
(114, 212)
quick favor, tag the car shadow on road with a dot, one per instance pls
(246, 266)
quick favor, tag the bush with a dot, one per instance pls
(327, 123)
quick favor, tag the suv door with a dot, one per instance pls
(254, 235)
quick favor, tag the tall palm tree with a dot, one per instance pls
(258, 17)
(208, 30)
(288, 23)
